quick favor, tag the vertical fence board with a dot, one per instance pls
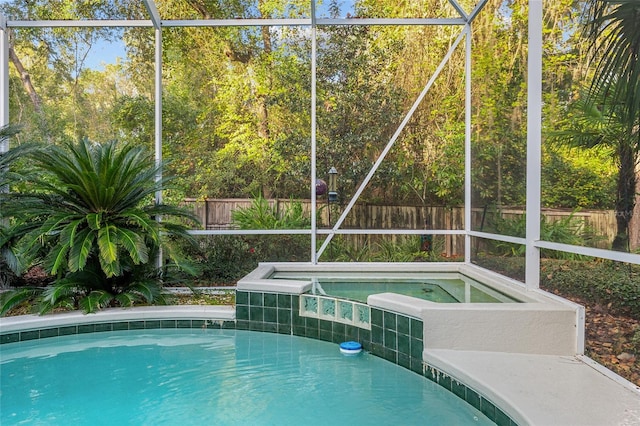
(217, 214)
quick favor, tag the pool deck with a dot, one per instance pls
(544, 390)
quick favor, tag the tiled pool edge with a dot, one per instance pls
(30, 327)
(394, 337)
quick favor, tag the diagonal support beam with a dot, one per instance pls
(481, 4)
(459, 9)
(391, 142)
(153, 13)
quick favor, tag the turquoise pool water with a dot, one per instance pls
(439, 288)
(213, 377)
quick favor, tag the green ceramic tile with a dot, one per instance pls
(416, 348)
(242, 325)
(390, 355)
(389, 319)
(271, 315)
(284, 329)
(404, 360)
(377, 335)
(284, 301)
(49, 332)
(299, 330)
(270, 327)
(459, 389)
(376, 317)
(416, 328)
(473, 398)
(116, 326)
(68, 330)
(256, 313)
(312, 332)
(295, 303)
(242, 312)
(271, 300)
(256, 299)
(168, 324)
(488, 409)
(10, 338)
(377, 350)
(89, 328)
(403, 324)
(326, 325)
(339, 328)
(416, 365)
(30, 335)
(444, 381)
(242, 298)
(312, 323)
(403, 344)
(284, 316)
(183, 324)
(326, 335)
(501, 418)
(133, 325)
(390, 339)
(364, 336)
(196, 323)
(256, 325)
(338, 338)
(297, 319)
(152, 324)
(353, 333)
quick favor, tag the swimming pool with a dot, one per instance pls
(223, 377)
(435, 287)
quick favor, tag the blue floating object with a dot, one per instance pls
(350, 348)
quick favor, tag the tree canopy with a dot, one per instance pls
(236, 99)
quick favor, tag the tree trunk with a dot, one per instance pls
(625, 197)
(634, 224)
(26, 80)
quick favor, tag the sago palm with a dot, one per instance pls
(91, 210)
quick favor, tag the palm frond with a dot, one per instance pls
(94, 301)
(81, 249)
(134, 244)
(12, 298)
(59, 290)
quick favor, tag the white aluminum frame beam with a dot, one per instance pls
(534, 144)
(232, 22)
(4, 80)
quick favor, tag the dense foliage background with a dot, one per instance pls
(236, 100)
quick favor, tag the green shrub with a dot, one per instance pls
(222, 259)
(568, 230)
(89, 214)
(606, 283)
(260, 215)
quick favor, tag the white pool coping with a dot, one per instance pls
(544, 389)
(143, 313)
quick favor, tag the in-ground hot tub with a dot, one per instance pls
(489, 312)
(439, 287)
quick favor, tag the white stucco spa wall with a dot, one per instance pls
(510, 328)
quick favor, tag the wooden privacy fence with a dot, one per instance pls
(216, 214)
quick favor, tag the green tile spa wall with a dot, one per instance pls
(394, 337)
